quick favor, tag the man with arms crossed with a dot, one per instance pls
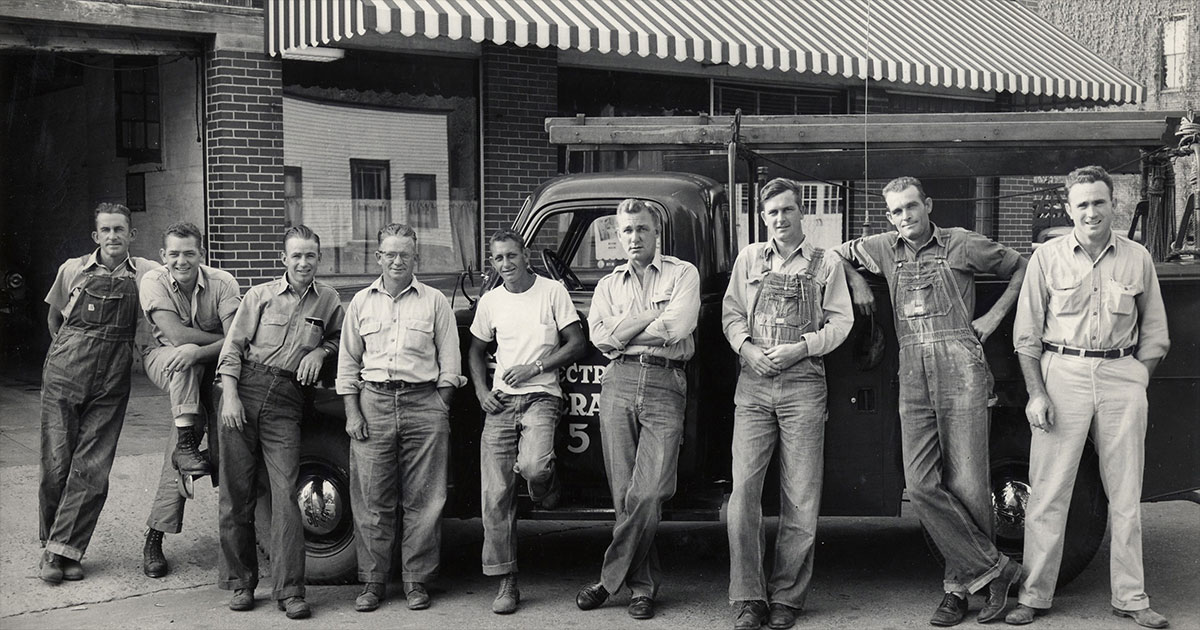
(398, 368)
(642, 317)
(1090, 330)
(190, 307)
(785, 308)
(85, 388)
(945, 384)
(537, 331)
(282, 334)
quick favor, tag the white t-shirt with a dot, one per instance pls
(525, 327)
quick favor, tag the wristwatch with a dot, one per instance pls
(541, 368)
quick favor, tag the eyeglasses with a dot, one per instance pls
(390, 256)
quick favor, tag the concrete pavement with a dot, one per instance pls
(870, 573)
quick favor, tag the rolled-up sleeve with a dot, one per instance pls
(245, 325)
(1030, 322)
(153, 294)
(350, 351)
(839, 313)
(602, 321)
(987, 256)
(678, 319)
(1153, 339)
(734, 321)
(445, 338)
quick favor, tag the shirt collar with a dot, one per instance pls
(938, 234)
(1112, 242)
(656, 263)
(200, 282)
(415, 286)
(94, 261)
(283, 286)
(772, 250)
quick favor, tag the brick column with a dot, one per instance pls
(243, 108)
(520, 90)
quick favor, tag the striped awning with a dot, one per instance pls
(984, 45)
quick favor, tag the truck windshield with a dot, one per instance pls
(584, 238)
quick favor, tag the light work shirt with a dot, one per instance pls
(758, 259)
(69, 283)
(670, 285)
(410, 337)
(1111, 303)
(215, 297)
(967, 253)
(277, 327)
(525, 327)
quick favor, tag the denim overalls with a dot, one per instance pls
(944, 388)
(788, 410)
(85, 388)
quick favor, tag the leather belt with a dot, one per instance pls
(647, 359)
(262, 367)
(397, 385)
(1090, 354)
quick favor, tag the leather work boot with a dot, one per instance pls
(997, 592)
(781, 616)
(243, 599)
(295, 608)
(751, 615)
(950, 612)
(591, 596)
(371, 597)
(508, 596)
(50, 568)
(418, 597)
(72, 570)
(187, 458)
(154, 563)
(1145, 617)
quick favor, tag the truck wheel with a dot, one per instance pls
(323, 492)
(1087, 518)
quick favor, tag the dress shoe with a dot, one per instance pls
(418, 597)
(591, 596)
(243, 599)
(50, 568)
(951, 611)
(781, 617)
(370, 598)
(1145, 617)
(641, 607)
(72, 570)
(997, 592)
(508, 597)
(295, 608)
(1021, 615)
(751, 616)
(154, 563)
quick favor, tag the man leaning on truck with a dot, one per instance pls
(1090, 329)
(785, 308)
(945, 384)
(642, 317)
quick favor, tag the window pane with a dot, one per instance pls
(152, 137)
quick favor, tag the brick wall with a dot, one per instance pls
(520, 89)
(1014, 215)
(244, 154)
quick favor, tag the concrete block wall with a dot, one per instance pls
(520, 90)
(244, 153)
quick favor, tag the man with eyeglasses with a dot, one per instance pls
(397, 370)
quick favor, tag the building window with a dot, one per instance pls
(1175, 52)
(772, 101)
(371, 198)
(420, 199)
(135, 192)
(139, 132)
(293, 195)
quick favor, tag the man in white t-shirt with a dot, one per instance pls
(537, 331)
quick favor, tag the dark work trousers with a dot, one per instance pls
(273, 405)
(85, 389)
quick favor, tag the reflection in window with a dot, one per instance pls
(420, 197)
(293, 196)
(371, 191)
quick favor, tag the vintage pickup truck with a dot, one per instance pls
(567, 223)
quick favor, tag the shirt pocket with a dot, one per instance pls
(311, 333)
(549, 333)
(662, 297)
(1068, 296)
(1122, 296)
(271, 331)
(374, 335)
(418, 339)
(926, 297)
